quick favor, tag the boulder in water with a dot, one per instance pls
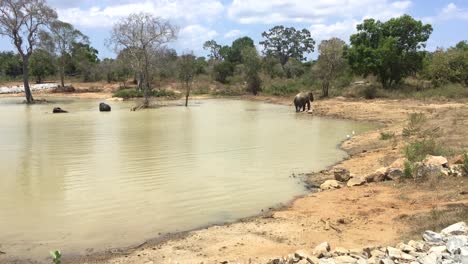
(103, 107)
(57, 110)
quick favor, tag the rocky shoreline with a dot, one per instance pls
(450, 246)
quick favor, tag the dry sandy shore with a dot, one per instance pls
(367, 215)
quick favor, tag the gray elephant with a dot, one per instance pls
(303, 99)
(103, 107)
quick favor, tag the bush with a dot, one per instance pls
(369, 92)
(134, 93)
(415, 123)
(408, 169)
(386, 136)
(419, 149)
(465, 163)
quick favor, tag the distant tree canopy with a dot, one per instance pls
(389, 50)
(285, 43)
(330, 63)
(42, 64)
(10, 64)
(451, 65)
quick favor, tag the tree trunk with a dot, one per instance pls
(325, 89)
(27, 90)
(62, 71)
(187, 94)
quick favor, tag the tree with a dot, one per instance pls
(330, 63)
(252, 65)
(449, 65)
(21, 20)
(287, 42)
(141, 34)
(60, 40)
(390, 50)
(235, 51)
(42, 64)
(293, 68)
(187, 69)
(214, 49)
(10, 64)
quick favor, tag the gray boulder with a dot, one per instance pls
(58, 110)
(455, 243)
(459, 228)
(432, 237)
(103, 107)
(341, 174)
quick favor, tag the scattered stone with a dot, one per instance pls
(436, 161)
(330, 185)
(459, 159)
(386, 261)
(430, 258)
(394, 174)
(459, 228)
(399, 163)
(455, 243)
(405, 248)
(464, 251)
(356, 181)
(418, 245)
(302, 254)
(345, 260)
(377, 253)
(321, 249)
(326, 261)
(438, 249)
(378, 176)
(457, 170)
(341, 174)
(395, 253)
(429, 171)
(103, 107)
(432, 237)
(341, 251)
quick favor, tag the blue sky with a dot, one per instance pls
(225, 20)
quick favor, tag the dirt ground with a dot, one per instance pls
(373, 214)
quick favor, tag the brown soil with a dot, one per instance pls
(357, 217)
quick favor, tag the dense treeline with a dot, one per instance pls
(391, 55)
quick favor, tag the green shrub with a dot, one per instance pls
(282, 89)
(415, 123)
(56, 257)
(369, 92)
(465, 163)
(134, 93)
(419, 149)
(408, 170)
(386, 136)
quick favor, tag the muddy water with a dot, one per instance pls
(87, 181)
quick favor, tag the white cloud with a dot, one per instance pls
(233, 34)
(315, 12)
(341, 29)
(192, 37)
(450, 12)
(175, 10)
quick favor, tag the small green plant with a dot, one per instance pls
(465, 163)
(386, 136)
(419, 149)
(408, 170)
(369, 92)
(415, 123)
(56, 257)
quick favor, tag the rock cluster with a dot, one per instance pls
(450, 246)
(431, 166)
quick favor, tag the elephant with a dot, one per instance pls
(58, 110)
(302, 99)
(103, 107)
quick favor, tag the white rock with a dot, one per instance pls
(326, 261)
(302, 254)
(432, 237)
(454, 243)
(330, 184)
(455, 229)
(386, 261)
(395, 253)
(405, 248)
(356, 181)
(418, 245)
(438, 249)
(435, 160)
(430, 258)
(345, 260)
(464, 251)
(321, 249)
(341, 251)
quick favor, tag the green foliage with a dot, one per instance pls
(272, 67)
(369, 92)
(235, 52)
(285, 43)
(444, 66)
(11, 65)
(222, 71)
(252, 66)
(465, 162)
(415, 124)
(408, 169)
(419, 149)
(283, 89)
(214, 49)
(56, 257)
(293, 68)
(389, 50)
(41, 64)
(386, 136)
(134, 93)
(330, 63)
(83, 61)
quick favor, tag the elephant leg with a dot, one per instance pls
(303, 107)
(308, 106)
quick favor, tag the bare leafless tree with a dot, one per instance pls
(140, 35)
(59, 40)
(186, 72)
(21, 20)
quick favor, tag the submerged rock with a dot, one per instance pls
(103, 107)
(58, 110)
